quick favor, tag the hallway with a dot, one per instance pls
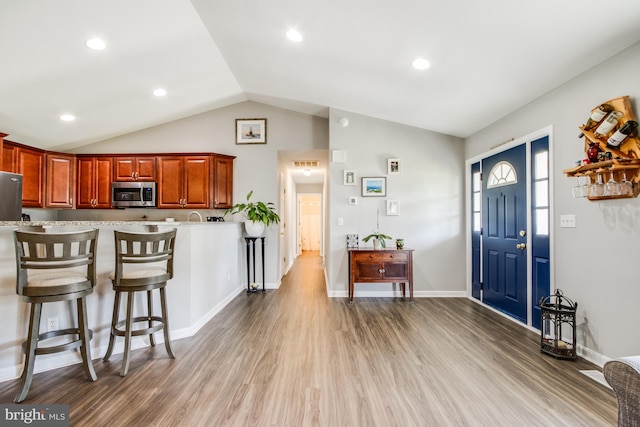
(293, 357)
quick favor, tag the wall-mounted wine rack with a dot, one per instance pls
(624, 158)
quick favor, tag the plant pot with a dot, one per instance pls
(376, 244)
(253, 229)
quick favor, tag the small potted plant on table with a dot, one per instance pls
(379, 239)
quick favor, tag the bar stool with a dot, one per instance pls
(144, 262)
(55, 267)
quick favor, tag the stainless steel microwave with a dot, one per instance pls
(134, 194)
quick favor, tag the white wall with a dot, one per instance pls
(430, 192)
(594, 262)
(255, 168)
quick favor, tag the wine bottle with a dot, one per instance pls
(596, 117)
(608, 124)
(629, 128)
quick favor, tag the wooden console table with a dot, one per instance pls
(381, 266)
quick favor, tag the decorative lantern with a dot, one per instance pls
(558, 326)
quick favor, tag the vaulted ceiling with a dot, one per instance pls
(487, 59)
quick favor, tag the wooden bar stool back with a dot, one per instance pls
(144, 262)
(55, 267)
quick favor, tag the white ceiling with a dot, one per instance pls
(488, 58)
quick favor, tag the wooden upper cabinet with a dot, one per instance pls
(2, 135)
(94, 182)
(222, 181)
(29, 162)
(134, 168)
(184, 181)
(61, 179)
(9, 157)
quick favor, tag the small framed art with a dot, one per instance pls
(349, 177)
(251, 131)
(374, 186)
(393, 208)
(393, 166)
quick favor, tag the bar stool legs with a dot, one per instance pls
(85, 336)
(30, 352)
(124, 328)
(31, 349)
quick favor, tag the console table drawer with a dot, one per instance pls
(378, 256)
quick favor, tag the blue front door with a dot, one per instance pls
(504, 221)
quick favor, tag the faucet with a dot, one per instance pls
(194, 212)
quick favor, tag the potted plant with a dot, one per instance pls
(378, 238)
(258, 215)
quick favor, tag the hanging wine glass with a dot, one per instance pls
(597, 188)
(577, 190)
(612, 187)
(626, 186)
(587, 184)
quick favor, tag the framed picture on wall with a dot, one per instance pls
(374, 186)
(251, 131)
(349, 177)
(393, 166)
(393, 208)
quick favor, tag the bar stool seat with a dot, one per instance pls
(55, 267)
(144, 262)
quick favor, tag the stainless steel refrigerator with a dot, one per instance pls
(10, 196)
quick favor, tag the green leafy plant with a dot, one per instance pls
(255, 211)
(377, 235)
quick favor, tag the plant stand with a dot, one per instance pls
(251, 243)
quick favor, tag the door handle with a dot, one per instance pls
(521, 246)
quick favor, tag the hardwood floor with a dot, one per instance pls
(293, 357)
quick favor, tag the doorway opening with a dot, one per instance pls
(309, 222)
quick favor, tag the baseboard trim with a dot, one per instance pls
(396, 294)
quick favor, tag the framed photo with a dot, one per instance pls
(393, 208)
(374, 187)
(349, 177)
(251, 131)
(393, 166)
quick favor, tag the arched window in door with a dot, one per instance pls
(502, 173)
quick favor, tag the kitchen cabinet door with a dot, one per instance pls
(197, 187)
(94, 182)
(61, 179)
(31, 166)
(223, 182)
(134, 168)
(184, 182)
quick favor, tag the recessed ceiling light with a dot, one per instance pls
(421, 64)
(159, 92)
(307, 172)
(96, 44)
(67, 117)
(294, 35)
